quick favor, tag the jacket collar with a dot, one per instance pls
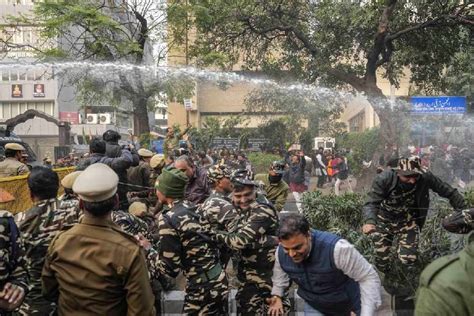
(96, 221)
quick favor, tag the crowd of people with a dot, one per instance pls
(130, 221)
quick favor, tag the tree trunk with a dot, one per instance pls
(140, 117)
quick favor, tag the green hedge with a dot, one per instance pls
(362, 145)
(261, 162)
(343, 215)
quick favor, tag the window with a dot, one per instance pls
(11, 109)
(357, 123)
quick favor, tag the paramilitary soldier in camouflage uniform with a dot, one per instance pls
(69, 199)
(39, 225)
(217, 209)
(13, 265)
(446, 285)
(397, 206)
(255, 240)
(12, 165)
(276, 190)
(185, 246)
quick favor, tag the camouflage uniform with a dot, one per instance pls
(255, 240)
(399, 209)
(39, 225)
(185, 246)
(220, 213)
(67, 201)
(13, 263)
(394, 219)
(134, 225)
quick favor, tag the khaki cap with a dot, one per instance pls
(137, 208)
(145, 153)
(157, 160)
(97, 183)
(68, 181)
(14, 146)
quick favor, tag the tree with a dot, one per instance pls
(302, 112)
(122, 32)
(216, 127)
(336, 43)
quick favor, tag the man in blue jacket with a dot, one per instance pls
(333, 278)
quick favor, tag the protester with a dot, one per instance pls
(114, 150)
(95, 268)
(198, 188)
(341, 172)
(128, 157)
(333, 278)
(320, 168)
(276, 190)
(294, 176)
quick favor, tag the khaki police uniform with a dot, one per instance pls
(10, 166)
(95, 268)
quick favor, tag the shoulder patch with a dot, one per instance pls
(432, 270)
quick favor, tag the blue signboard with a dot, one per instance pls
(438, 105)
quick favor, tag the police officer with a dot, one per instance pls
(276, 190)
(12, 165)
(446, 285)
(95, 268)
(185, 245)
(13, 265)
(397, 206)
(254, 238)
(38, 226)
(157, 163)
(217, 209)
(140, 175)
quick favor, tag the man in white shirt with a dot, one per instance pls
(333, 278)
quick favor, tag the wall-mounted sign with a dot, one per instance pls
(38, 90)
(71, 117)
(229, 143)
(188, 104)
(17, 91)
(257, 143)
(438, 105)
